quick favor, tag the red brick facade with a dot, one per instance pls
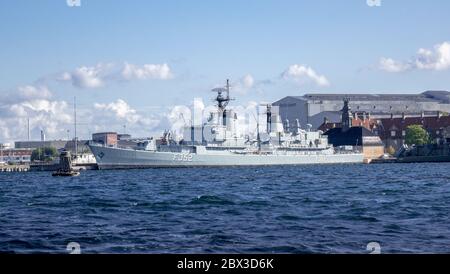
(392, 130)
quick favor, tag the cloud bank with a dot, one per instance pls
(90, 77)
(303, 74)
(436, 59)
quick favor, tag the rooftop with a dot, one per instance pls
(427, 96)
(430, 122)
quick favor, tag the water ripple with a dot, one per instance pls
(305, 209)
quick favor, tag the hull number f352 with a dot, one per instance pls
(182, 157)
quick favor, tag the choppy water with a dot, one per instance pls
(304, 209)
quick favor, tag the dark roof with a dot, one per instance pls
(325, 127)
(354, 136)
(428, 122)
(441, 96)
(108, 132)
(370, 97)
(284, 98)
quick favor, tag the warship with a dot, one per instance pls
(216, 143)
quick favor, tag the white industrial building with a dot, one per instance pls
(315, 108)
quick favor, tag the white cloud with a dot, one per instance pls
(243, 85)
(436, 59)
(247, 81)
(120, 110)
(115, 115)
(30, 92)
(147, 71)
(87, 77)
(304, 73)
(177, 118)
(51, 116)
(55, 117)
(390, 65)
(23, 93)
(101, 74)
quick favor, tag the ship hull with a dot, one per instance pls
(118, 158)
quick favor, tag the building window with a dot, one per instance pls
(403, 133)
(392, 133)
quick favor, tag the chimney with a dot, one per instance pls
(286, 125)
(439, 114)
(422, 114)
(325, 120)
(403, 116)
(392, 115)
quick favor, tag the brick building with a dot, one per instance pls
(392, 130)
(105, 138)
(15, 156)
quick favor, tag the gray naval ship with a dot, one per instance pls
(217, 143)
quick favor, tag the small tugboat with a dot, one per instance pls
(65, 166)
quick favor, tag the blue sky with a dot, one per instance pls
(269, 49)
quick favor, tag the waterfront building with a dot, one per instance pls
(314, 108)
(348, 134)
(105, 138)
(15, 156)
(115, 139)
(58, 144)
(392, 130)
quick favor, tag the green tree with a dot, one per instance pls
(46, 154)
(416, 135)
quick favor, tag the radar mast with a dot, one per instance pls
(223, 96)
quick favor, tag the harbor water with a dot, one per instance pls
(405, 208)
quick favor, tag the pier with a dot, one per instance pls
(54, 166)
(14, 168)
